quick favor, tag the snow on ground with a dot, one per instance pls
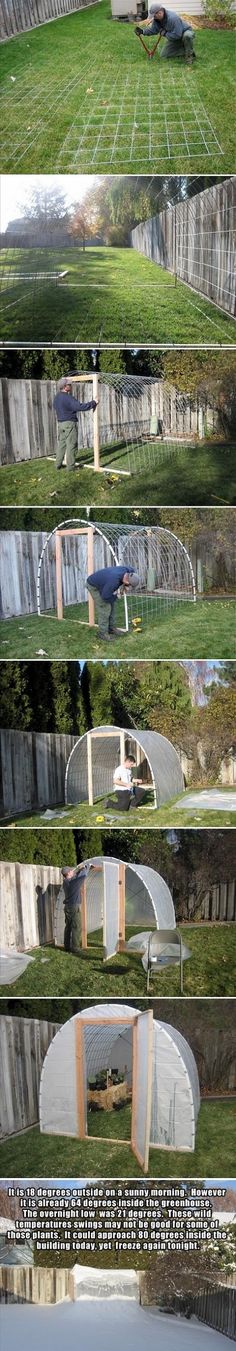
(87, 1325)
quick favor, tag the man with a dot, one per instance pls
(178, 32)
(103, 586)
(127, 789)
(73, 879)
(66, 409)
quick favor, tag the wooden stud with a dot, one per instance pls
(96, 424)
(80, 1078)
(121, 886)
(84, 935)
(143, 1161)
(59, 577)
(89, 769)
(90, 562)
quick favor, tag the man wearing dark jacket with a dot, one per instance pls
(103, 586)
(73, 892)
(178, 32)
(67, 409)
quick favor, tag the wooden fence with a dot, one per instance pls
(196, 241)
(32, 769)
(35, 1285)
(17, 16)
(216, 1306)
(28, 900)
(23, 1046)
(20, 550)
(28, 427)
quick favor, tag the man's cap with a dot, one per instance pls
(134, 579)
(64, 380)
(154, 8)
(65, 871)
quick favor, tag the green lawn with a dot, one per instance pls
(190, 477)
(108, 295)
(210, 971)
(34, 1155)
(202, 630)
(80, 95)
(83, 816)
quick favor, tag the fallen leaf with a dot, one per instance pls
(13, 78)
(89, 91)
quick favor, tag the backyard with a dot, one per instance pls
(210, 971)
(81, 94)
(169, 815)
(34, 1154)
(102, 295)
(196, 630)
(188, 476)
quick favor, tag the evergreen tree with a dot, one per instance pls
(14, 695)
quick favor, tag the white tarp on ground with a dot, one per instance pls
(105, 1283)
(114, 1325)
(12, 965)
(210, 798)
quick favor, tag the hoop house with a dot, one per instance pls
(160, 1070)
(75, 549)
(94, 758)
(119, 896)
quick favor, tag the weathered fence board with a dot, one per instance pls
(28, 900)
(28, 427)
(23, 1046)
(196, 240)
(33, 766)
(35, 1285)
(17, 16)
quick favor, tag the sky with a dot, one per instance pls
(15, 190)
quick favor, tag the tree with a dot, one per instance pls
(227, 672)
(46, 206)
(202, 859)
(85, 223)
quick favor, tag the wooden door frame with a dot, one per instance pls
(82, 1022)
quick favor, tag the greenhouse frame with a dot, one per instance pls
(95, 756)
(75, 549)
(159, 1066)
(116, 895)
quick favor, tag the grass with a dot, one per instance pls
(83, 815)
(108, 295)
(111, 1124)
(80, 95)
(195, 631)
(210, 971)
(191, 477)
(34, 1155)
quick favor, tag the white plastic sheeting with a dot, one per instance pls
(147, 899)
(12, 965)
(175, 1087)
(157, 759)
(102, 1283)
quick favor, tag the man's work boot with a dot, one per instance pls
(106, 637)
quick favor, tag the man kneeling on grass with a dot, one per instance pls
(67, 409)
(128, 792)
(73, 879)
(103, 587)
(178, 32)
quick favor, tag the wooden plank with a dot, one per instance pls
(90, 769)
(80, 1078)
(84, 936)
(96, 424)
(121, 885)
(59, 577)
(90, 564)
(136, 1074)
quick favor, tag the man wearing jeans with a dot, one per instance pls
(67, 409)
(103, 586)
(73, 879)
(128, 791)
(178, 32)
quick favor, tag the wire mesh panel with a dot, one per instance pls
(148, 899)
(140, 434)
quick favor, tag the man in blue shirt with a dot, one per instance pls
(103, 586)
(73, 892)
(178, 32)
(67, 409)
